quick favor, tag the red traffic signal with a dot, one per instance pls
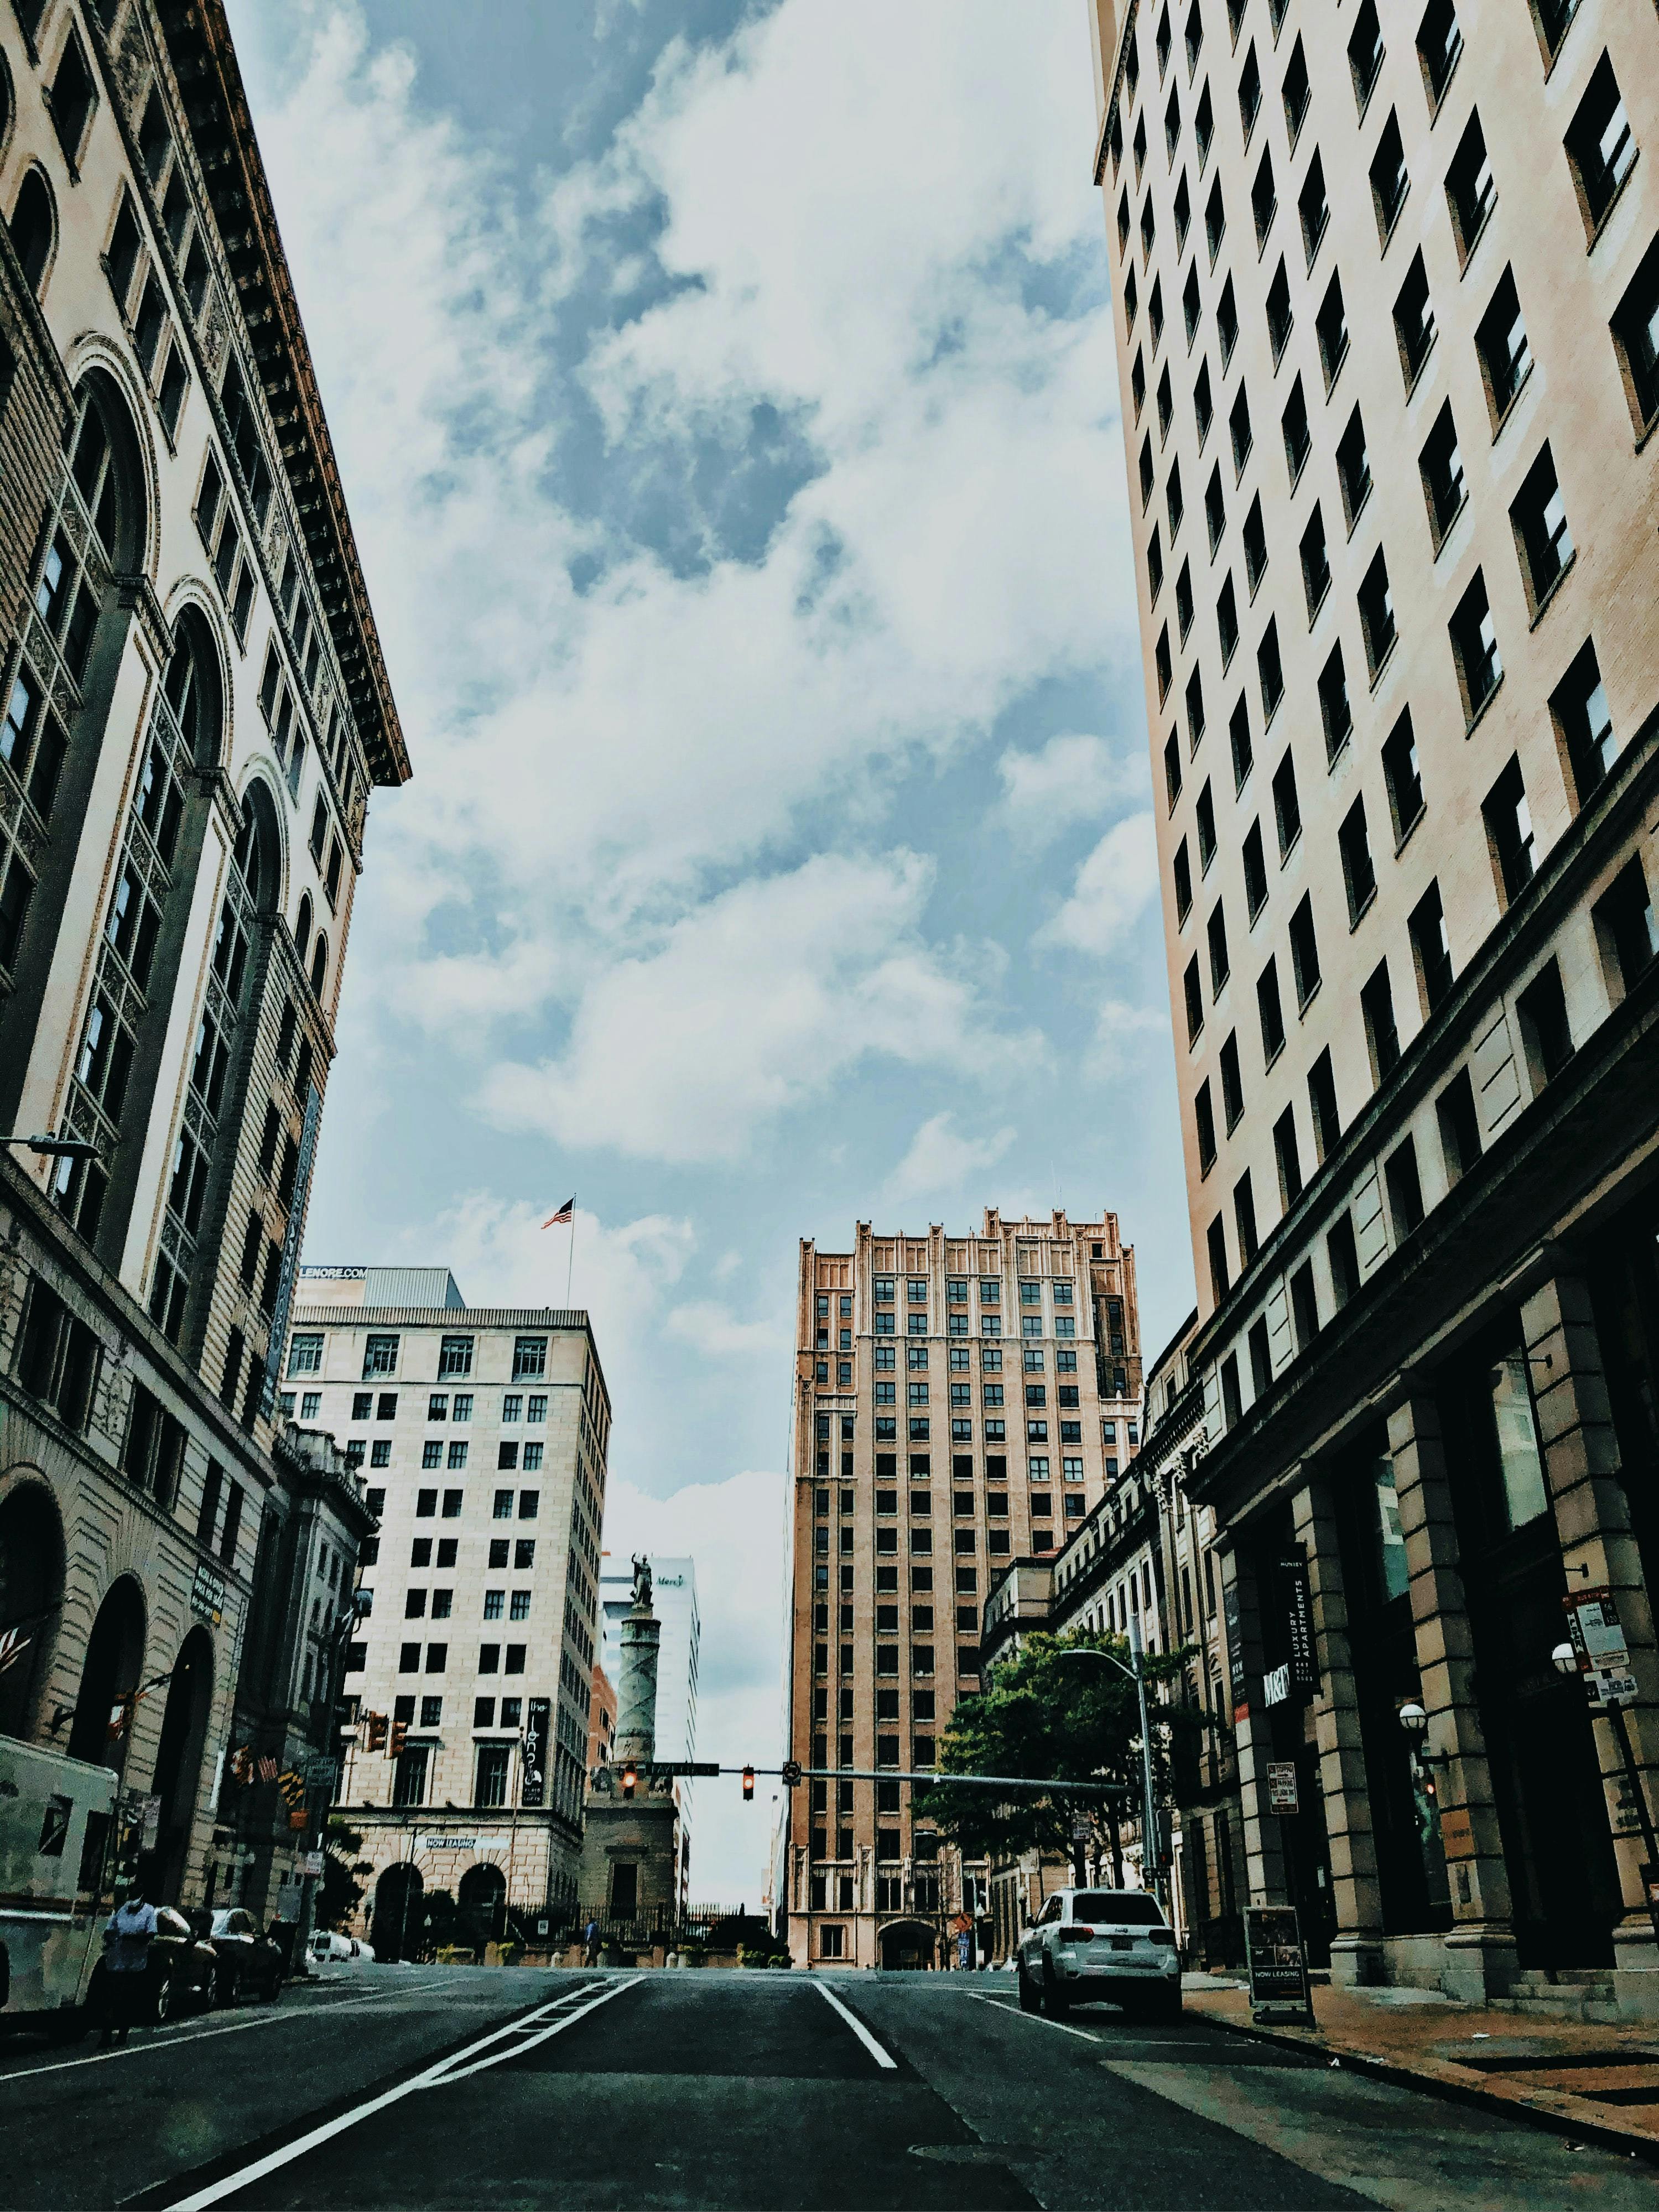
(748, 1785)
(629, 1777)
(395, 1744)
(375, 1738)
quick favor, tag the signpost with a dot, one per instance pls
(1277, 1965)
(1598, 1643)
(1281, 1786)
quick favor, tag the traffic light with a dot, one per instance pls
(375, 1740)
(629, 1777)
(395, 1743)
(748, 1785)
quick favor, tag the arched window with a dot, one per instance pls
(302, 928)
(319, 965)
(33, 228)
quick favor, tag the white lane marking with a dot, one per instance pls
(272, 2019)
(1041, 2018)
(544, 2035)
(882, 2057)
(443, 2069)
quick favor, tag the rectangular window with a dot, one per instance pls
(380, 1356)
(1271, 671)
(305, 1354)
(1460, 1126)
(1500, 341)
(1376, 620)
(1281, 321)
(1216, 1243)
(455, 1356)
(1545, 1030)
(1440, 466)
(1255, 872)
(1405, 1190)
(1271, 1011)
(529, 1358)
(1601, 148)
(1331, 327)
(1316, 563)
(1474, 648)
(1313, 208)
(1413, 322)
(1432, 948)
(1245, 1219)
(1509, 832)
(1288, 1157)
(1358, 875)
(1287, 810)
(1625, 927)
(1304, 952)
(1204, 1117)
(1233, 1088)
(1365, 52)
(1538, 519)
(1297, 436)
(1382, 1035)
(1584, 724)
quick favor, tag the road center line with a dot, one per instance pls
(882, 2057)
(1040, 2017)
(533, 2035)
(434, 2076)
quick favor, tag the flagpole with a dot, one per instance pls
(570, 1266)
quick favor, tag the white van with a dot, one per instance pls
(55, 1821)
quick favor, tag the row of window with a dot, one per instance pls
(441, 1602)
(381, 1356)
(433, 1659)
(885, 1289)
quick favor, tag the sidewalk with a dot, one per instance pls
(1600, 2084)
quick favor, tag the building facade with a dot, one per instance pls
(1403, 735)
(960, 1402)
(194, 707)
(481, 1434)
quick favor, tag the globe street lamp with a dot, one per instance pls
(1137, 1673)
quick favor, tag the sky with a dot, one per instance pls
(725, 398)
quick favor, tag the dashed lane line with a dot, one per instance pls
(454, 2067)
(1001, 2004)
(882, 2057)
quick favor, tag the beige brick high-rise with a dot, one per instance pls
(1387, 311)
(961, 1401)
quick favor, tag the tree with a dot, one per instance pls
(1052, 1720)
(342, 1892)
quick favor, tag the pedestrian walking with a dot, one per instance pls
(591, 1939)
(127, 1938)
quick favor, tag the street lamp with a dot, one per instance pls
(1136, 1673)
(1415, 1722)
(56, 1148)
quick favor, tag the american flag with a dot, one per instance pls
(566, 1212)
(12, 1645)
(267, 1770)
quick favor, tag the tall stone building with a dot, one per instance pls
(481, 1434)
(959, 1401)
(194, 707)
(1403, 736)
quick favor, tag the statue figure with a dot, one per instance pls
(641, 1582)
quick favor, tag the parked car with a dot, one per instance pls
(1092, 1945)
(328, 1944)
(181, 1973)
(245, 1956)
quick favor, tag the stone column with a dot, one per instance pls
(1264, 1851)
(1480, 1947)
(1592, 1520)
(1357, 1948)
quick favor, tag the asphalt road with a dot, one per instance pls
(395, 2086)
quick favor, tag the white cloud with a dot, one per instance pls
(1112, 890)
(715, 1331)
(762, 996)
(1124, 1035)
(593, 767)
(734, 1530)
(939, 1160)
(1072, 778)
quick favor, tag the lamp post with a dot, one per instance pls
(56, 1148)
(1136, 1673)
(1564, 1660)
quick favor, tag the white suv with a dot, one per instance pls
(1090, 1944)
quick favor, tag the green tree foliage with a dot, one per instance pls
(342, 1892)
(1055, 1720)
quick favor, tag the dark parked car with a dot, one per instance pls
(179, 1972)
(245, 1957)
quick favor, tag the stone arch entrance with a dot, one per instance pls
(31, 1596)
(398, 1923)
(481, 1899)
(906, 1947)
(113, 1663)
(179, 1758)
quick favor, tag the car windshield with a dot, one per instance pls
(1119, 1908)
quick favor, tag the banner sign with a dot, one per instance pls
(534, 1790)
(1276, 1962)
(1598, 1641)
(1298, 1614)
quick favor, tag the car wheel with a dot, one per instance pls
(1029, 2000)
(163, 2003)
(1055, 2003)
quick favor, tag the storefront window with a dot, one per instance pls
(1526, 1494)
(1392, 1576)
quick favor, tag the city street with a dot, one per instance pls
(451, 2086)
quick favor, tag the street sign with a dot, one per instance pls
(1276, 1963)
(1281, 1786)
(685, 1766)
(207, 1596)
(309, 1863)
(790, 1772)
(1598, 1641)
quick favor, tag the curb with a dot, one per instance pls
(1608, 2135)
